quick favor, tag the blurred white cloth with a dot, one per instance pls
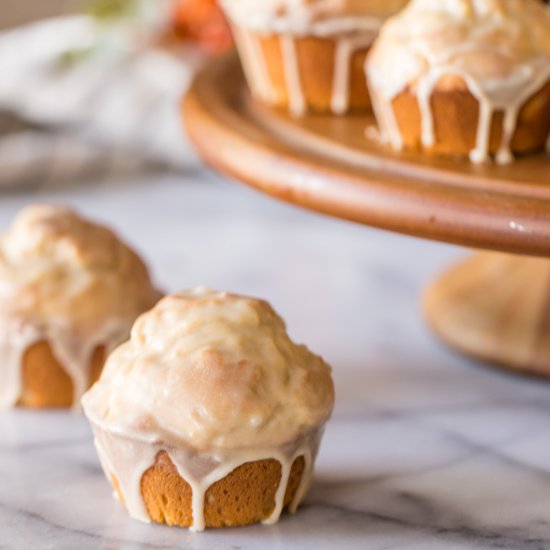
(109, 112)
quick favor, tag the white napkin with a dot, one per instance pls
(114, 110)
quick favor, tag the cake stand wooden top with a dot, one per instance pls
(327, 164)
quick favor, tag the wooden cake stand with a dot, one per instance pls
(494, 306)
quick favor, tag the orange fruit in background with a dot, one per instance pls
(203, 22)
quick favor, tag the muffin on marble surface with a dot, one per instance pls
(464, 77)
(69, 293)
(308, 54)
(210, 416)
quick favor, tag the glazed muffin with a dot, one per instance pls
(210, 416)
(308, 54)
(464, 77)
(69, 293)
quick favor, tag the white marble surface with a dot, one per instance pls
(426, 450)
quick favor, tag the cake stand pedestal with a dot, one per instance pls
(494, 306)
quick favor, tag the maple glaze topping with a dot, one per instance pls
(498, 49)
(212, 370)
(69, 282)
(213, 380)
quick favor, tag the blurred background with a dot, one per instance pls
(92, 87)
(17, 12)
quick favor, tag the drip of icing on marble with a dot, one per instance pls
(125, 461)
(507, 94)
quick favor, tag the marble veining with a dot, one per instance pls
(426, 450)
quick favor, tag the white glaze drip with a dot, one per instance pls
(126, 461)
(12, 350)
(346, 47)
(387, 121)
(255, 67)
(488, 107)
(350, 26)
(372, 133)
(296, 100)
(509, 125)
(480, 153)
(69, 283)
(340, 89)
(73, 353)
(507, 93)
(262, 86)
(320, 18)
(424, 98)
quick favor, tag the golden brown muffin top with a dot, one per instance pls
(212, 370)
(58, 268)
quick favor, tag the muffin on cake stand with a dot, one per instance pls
(494, 306)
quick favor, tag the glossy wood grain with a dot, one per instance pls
(327, 164)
